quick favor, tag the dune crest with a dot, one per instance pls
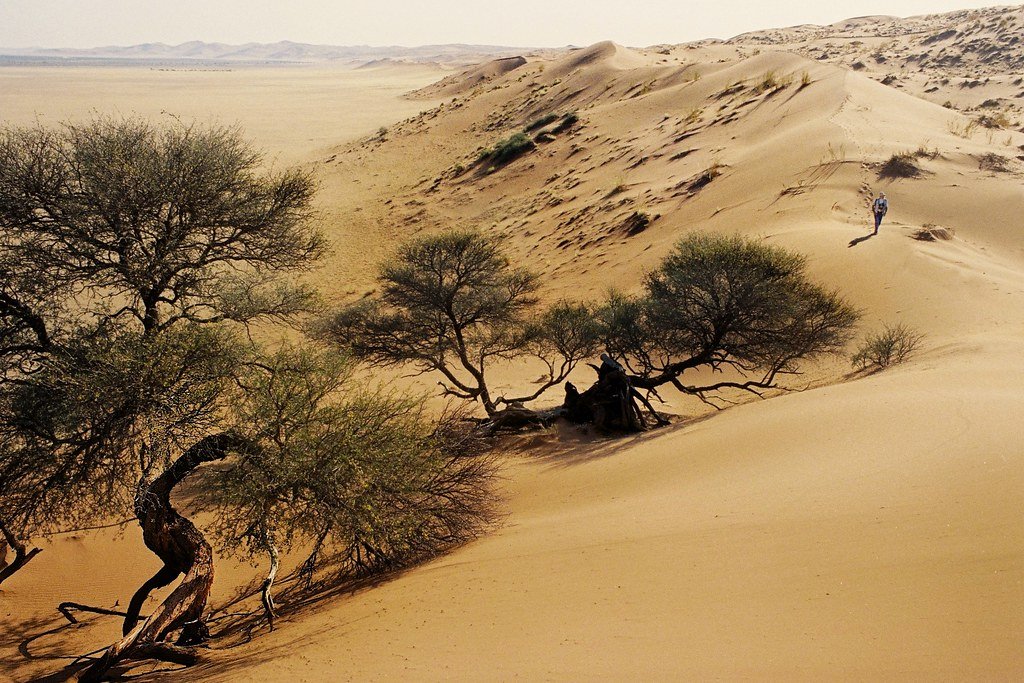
(866, 525)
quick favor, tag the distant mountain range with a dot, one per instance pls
(283, 51)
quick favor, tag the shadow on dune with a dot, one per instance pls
(46, 639)
(235, 623)
(294, 599)
(857, 241)
(567, 445)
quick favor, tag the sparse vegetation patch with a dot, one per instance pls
(894, 344)
(507, 150)
(705, 178)
(568, 121)
(637, 222)
(994, 162)
(541, 122)
(929, 232)
(900, 165)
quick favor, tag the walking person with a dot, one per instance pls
(880, 207)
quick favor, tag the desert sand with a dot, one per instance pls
(291, 111)
(867, 527)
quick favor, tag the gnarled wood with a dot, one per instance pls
(608, 404)
(266, 594)
(518, 416)
(22, 554)
(183, 549)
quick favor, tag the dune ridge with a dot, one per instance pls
(867, 527)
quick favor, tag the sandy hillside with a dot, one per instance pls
(867, 528)
(967, 60)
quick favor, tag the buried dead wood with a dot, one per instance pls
(611, 404)
(933, 233)
(22, 554)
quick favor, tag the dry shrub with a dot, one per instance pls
(893, 345)
(900, 165)
(993, 162)
(963, 130)
(705, 177)
(930, 232)
(994, 120)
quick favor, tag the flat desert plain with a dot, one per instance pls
(290, 112)
(867, 526)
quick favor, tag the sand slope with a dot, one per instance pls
(865, 530)
(868, 528)
(972, 59)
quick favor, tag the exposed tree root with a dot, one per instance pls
(610, 404)
(22, 554)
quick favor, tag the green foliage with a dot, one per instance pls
(507, 150)
(568, 121)
(128, 252)
(725, 302)
(107, 408)
(565, 333)
(894, 344)
(541, 121)
(361, 474)
(453, 304)
(158, 216)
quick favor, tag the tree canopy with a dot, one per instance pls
(452, 303)
(133, 257)
(725, 303)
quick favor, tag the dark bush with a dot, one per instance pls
(900, 165)
(568, 121)
(541, 122)
(508, 149)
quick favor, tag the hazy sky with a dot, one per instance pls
(521, 23)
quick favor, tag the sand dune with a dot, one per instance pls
(866, 528)
(862, 531)
(970, 59)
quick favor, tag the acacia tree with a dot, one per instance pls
(725, 303)
(359, 473)
(26, 299)
(157, 237)
(452, 304)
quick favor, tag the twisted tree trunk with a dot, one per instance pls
(22, 555)
(184, 550)
(266, 594)
(609, 404)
